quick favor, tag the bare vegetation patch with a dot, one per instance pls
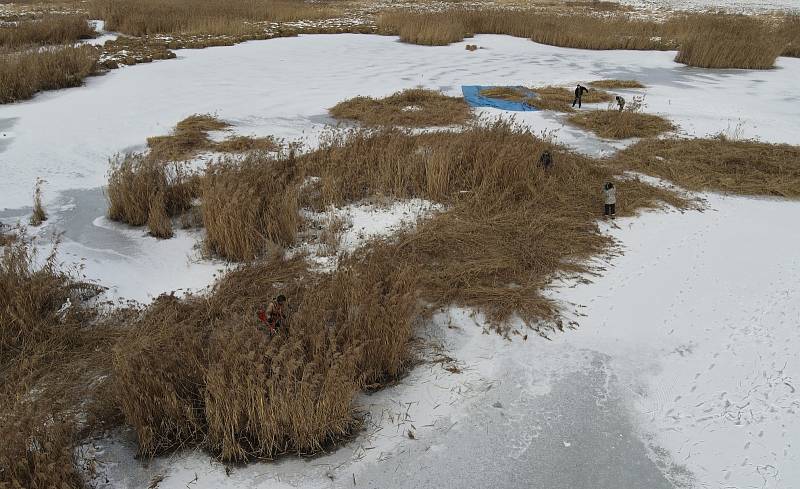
(514, 94)
(560, 99)
(612, 84)
(414, 107)
(719, 164)
(189, 136)
(23, 74)
(614, 124)
(243, 144)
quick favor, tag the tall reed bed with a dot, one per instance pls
(49, 29)
(233, 17)
(24, 73)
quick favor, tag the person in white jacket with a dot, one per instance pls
(610, 199)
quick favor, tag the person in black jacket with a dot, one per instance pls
(546, 160)
(579, 91)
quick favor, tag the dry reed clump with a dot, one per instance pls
(729, 41)
(249, 205)
(189, 136)
(234, 17)
(51, 349)
(612, 123)
(718, 164)
(790, 31)
(427, 29)
(25, 73)
(217, 381)
(511, 225)
(415, 107)
(139, 185)
(612, 84)
(243, 144)
(49, 29)
(39, 215)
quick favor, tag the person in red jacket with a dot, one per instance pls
(274, 316)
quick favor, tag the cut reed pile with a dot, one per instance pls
(52, 349)
(414, 107)
(233, 17)
(23, 74)
(614, 124)
(612, 84)
(49, 29)
(514, 94)
(718, 164)
(560, 99)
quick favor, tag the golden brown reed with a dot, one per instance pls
(38, 216)
(414, 107)
(189, 137)
(729, 41)
(718, 164)
(136, 185)
(50, 357)
(612, 123)
(249, 205)
(49, 29)
(233, 17)
(23, 74)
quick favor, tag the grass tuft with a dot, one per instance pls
(614, 124)
(612, 84)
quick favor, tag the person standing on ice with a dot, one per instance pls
(610, 200)
(620, 102)
(579, 91)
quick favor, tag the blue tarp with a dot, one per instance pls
(472, 94)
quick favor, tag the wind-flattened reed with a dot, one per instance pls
(718, 165)
(414, 107)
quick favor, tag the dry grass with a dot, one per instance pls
(612, 84)
(39, 215)
(718, 164)
(233, 17)
(704, 40)
(50, 29)
(217, 381)
(188, 138)
(23, 74)
(427, 29)
(507, 93)
(510, 226)
(249, 206)
(414, 107)
(50, 356)
(729, 41)
(790, 31)
(243, 144)
(614, 124)
(145, 190)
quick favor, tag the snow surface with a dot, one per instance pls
(681, 374)
(735, 6)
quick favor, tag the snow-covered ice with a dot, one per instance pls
(681, 374)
